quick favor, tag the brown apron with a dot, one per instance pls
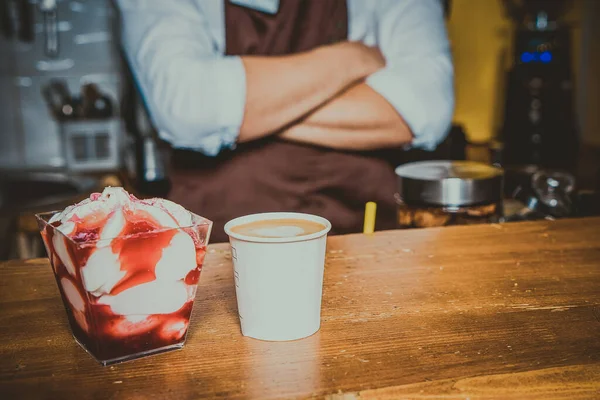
(274, 175)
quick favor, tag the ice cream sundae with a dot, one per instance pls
(127, 270)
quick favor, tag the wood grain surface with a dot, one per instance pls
(490, 311)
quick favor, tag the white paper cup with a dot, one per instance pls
(278, 281)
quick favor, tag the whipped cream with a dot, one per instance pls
(113, 205)
(104, 222)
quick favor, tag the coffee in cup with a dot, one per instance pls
(278, 228)
(278, 261)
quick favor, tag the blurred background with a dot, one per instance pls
(71, 120)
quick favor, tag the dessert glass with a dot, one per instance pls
(131, 295)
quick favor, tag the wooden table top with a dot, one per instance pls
(490, 311)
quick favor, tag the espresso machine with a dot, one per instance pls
(540, 126)
(539, 139)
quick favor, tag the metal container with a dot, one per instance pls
(440, 193)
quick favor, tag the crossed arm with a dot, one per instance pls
(357, 119)
(320, 98)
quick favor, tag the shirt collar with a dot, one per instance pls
(266, 6)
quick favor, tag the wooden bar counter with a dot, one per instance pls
(489, 311)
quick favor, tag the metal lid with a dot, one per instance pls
(449, 183)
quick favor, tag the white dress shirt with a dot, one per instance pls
(196, 95)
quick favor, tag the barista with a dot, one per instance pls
(289, 105)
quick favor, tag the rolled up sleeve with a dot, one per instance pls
(195, 95)
(418, 78)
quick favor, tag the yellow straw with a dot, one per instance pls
(370, 212)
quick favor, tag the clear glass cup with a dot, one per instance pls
(554, 190)
(132, 295)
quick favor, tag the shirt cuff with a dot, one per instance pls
(211, 144)
(425, 103)
(227, 94)
(230, 96)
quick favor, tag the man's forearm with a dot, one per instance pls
(280, 90)
(358, 119)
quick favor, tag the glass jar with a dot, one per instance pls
(443, 193)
